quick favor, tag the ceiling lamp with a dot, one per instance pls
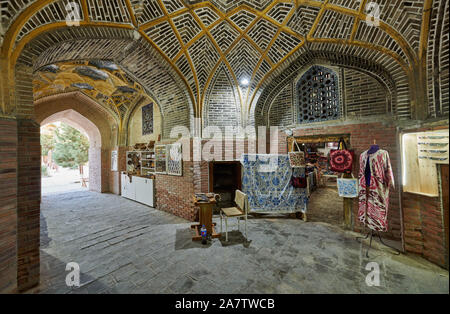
(244, 82)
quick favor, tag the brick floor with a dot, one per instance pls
(125, 247)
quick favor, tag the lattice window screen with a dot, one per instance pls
(174, 159)
(318, 95)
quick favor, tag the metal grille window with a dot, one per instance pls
(318, 95)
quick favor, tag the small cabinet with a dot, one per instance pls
(128, 188)
(138, 189)
(144, 191)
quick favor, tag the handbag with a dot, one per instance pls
(348, 187)
(341, 160)
(296, 158)
(298, 182)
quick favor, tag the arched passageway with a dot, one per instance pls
(84, 114)
(81, 123)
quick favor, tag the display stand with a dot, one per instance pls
(205, 218)
(370, 233)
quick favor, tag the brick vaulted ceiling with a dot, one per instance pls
(249, 39)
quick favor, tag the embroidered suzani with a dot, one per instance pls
(374, 202)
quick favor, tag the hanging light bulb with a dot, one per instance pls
(244, 81)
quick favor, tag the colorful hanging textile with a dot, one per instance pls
(374, 201)
(266, 181)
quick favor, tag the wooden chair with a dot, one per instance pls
(241, 210)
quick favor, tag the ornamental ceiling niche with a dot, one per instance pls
(253, 40)
(103, 81)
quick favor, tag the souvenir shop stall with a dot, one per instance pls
(321, 178)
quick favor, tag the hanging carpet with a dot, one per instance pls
(266, 181)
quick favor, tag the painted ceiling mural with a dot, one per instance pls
(100, 80)
(250, 39)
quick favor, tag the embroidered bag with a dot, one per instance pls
(296, 158)
(348, 187)
(341, 160)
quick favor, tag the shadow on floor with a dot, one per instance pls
(235, 237)
(45, 239)
(183, 240)
(56, 284)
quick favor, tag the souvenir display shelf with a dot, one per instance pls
(147, 162)
(141, 162)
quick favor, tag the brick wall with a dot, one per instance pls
(361, 137)
(424, 232)
(28, 203)
(221, 108)
(8, 205)
(174, 194)
(281, 112)
(364, 96)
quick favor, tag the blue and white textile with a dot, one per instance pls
(266, 181)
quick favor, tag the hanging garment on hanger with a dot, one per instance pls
(374, 198)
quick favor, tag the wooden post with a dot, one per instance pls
(348, 206)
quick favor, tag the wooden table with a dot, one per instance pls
(205, 218)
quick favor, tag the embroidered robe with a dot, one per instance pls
(374, 203)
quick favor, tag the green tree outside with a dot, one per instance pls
(71, 148)
(47, 143)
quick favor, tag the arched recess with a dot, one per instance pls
(135, 56)
(83, 113)
(354, 85)
(395, 83)
(222, 106)
(132, 124)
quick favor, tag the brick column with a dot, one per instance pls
(8, 205)
(28, 203)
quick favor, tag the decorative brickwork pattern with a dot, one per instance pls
(395, 94)
(206, 15)
(100, 10)
(151, 11)
(166, 90)
(54, 12)
(222, 107)
(281, 111)
(364, 95)
(274, 32)
(187, 27)
(438, 60)
(225, 35)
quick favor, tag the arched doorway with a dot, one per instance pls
(82, 113)
(81, 123)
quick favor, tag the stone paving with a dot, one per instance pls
(125, 247)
